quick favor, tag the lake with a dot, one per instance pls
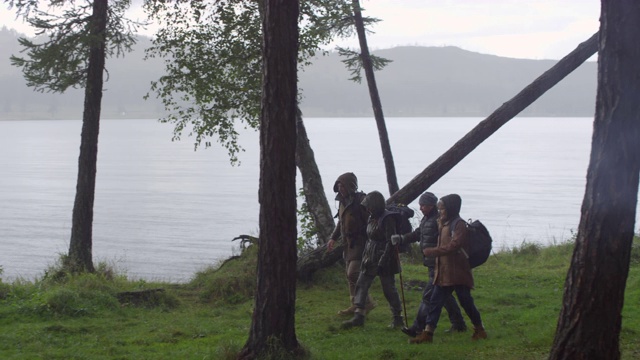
(164, 211)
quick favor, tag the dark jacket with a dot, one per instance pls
(426, 234)
(352, 219)
(380, 256)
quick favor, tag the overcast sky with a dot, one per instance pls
(537, 29)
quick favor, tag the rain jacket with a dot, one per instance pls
(352, 218)
(380, 256)
(452, 266)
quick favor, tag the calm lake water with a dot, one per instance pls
(164, 211)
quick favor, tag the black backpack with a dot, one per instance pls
(403, 213)
(478, 246)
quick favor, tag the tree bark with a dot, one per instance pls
(80, 246)
(590, 319)
(493, 122)
(367, 65)
(312, 184)
(421, 182)
(273, 322)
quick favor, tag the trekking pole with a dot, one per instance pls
(404, 306)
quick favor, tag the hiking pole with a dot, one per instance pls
(404, 306)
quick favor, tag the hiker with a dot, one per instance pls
(427, 235)
(352, 230)
(452, 273)
(380, 259)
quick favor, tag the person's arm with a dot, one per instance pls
(335, 235)
(407, 238)
(459, 235)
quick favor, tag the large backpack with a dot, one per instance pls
(478, 247)
(403, 213)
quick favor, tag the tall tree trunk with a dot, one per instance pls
(421, 182)
(590, 320)
(273, 321)
(312, 184)
(493, 122)
(80, 245)
(367, 65)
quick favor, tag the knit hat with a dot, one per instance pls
(428, 198)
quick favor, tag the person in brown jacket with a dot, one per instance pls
(453, 272)
(352, 230)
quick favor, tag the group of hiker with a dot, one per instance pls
(371, 240)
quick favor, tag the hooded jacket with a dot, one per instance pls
(452, 267)
(379, 256)
(352, 218)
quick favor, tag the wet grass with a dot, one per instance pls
(60, 316)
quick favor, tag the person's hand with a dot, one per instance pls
(330, 245)
(396, 239)
(427, 252)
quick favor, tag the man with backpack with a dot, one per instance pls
(427, 235)
(352, 230)
(453, 272)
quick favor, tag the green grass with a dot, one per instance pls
(60, 316)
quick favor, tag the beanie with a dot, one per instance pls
(428, 199)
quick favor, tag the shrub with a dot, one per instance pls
(233, 282)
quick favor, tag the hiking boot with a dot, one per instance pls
(356, 320)
(397, 322)
(456, 329)
(423, 337)
(409, 331)
(348, 311)
(478, 333)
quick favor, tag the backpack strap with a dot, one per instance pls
(454, 223)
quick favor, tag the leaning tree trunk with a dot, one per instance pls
(80, 245)
(273, 321)
(312, 184)
(493, 122)
(590, 320)
(367, 65)
(317, 259)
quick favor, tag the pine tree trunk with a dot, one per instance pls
(273, 321)
(312, 184)
(80, 246)
(367, 65)
(493, 122)
(590, 320)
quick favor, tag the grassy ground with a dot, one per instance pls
(518, 293)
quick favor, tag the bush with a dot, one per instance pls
(233, 282)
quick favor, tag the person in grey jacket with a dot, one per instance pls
(379, 259)
(427, 235)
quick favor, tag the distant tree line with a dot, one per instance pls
(420, 81)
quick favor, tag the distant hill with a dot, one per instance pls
(421, 81)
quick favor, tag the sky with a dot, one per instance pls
(537, 29)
